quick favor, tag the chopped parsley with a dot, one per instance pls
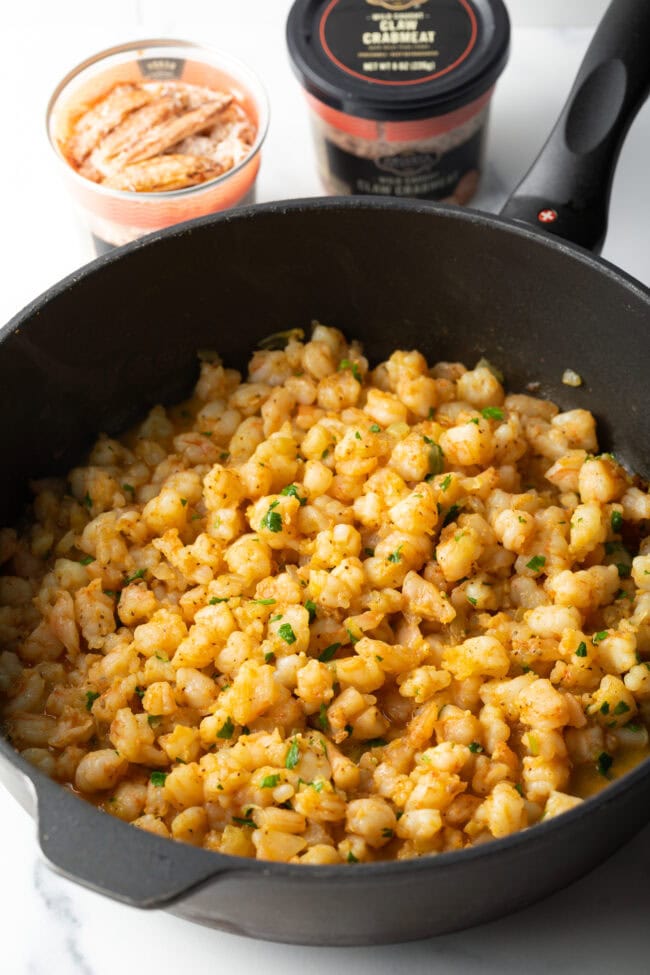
(245, 821)
(353, 637)
(395, 556)
(264, 602)
(623, 569)
(621, 708)
(153, 718)
(474, 420)
(286, 633)
(492, 413)
(351, 857)
(471, 599)
(218, 599)
(599, 637)
(376, 743)
(272, 519)
(140, 691)
(86, 560)
(451, 515)
(374, 428)
(292, 491)
(519, 789)
(328, 652)
(88, 501)
(183, 501)
(321, 720)
(158, 778)
(293, 754)
(352, 366)
(91, 697)
(369, 552)
(388, 832)
(310, 606)
(536, 563)
(357, 435)
(616, 521)
(604, 707)
(475, 746)
(226, 729)
(269, 781)
(138, 574)
(129, 487)
(269, 657)
(436, 457)
(604, 763)
(581, 650)
(446, 481)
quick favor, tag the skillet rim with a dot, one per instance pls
(227, 863)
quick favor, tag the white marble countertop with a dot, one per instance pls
(52, 927)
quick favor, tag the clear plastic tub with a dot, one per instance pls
(117, 216)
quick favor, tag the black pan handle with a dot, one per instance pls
(566, 192)
(117, 859)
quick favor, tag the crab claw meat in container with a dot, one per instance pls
(155, 132)
(399, 91)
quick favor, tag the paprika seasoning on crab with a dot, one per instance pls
(399, 91)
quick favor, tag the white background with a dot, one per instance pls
(50, 926)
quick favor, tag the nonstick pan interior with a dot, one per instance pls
(98, 350)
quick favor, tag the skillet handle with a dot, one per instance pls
(103, 853)
(566, 192)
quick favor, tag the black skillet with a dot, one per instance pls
(97, 350)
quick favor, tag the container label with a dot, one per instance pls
(398, 42)
(161, 68)
(427, 175)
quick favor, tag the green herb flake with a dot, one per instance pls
(272, 520)
(604, 763)
(474, 420)
(436, 457)
(376, 743)
(128, 487)
(621, 708)
(88, 501)
(374, 428)
(183, 501)
(310, 606)
(218, 599)
(395, 556)
(599, 637)
(492, 413)
(352, 366)
(328, 653)
(624, 569)
(285, 632)
(633, 726)
(158, 779)
(369, 552)
(604, 707)
(269, 781)
(163, 657)
(87, 559)
(325, 453)
(293, 754)
(475, 747)
(519, 789)
(351, 857)
(152, 719)
(353, 637)
(616, 521)
(140, 691)
(536, 563)
(388, 833)
(245, 821)
(533, 745)
(226, 729)
(451, 515)
(138, 574)
(446, 481)
(274, 619)
(91, 697)
(108, 592)
(322, 721)
(269, 658)
(264, 602)
(357, 435)
(471, 599)
(581, 650)
(291, 491)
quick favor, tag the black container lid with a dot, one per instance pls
(393, 60)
